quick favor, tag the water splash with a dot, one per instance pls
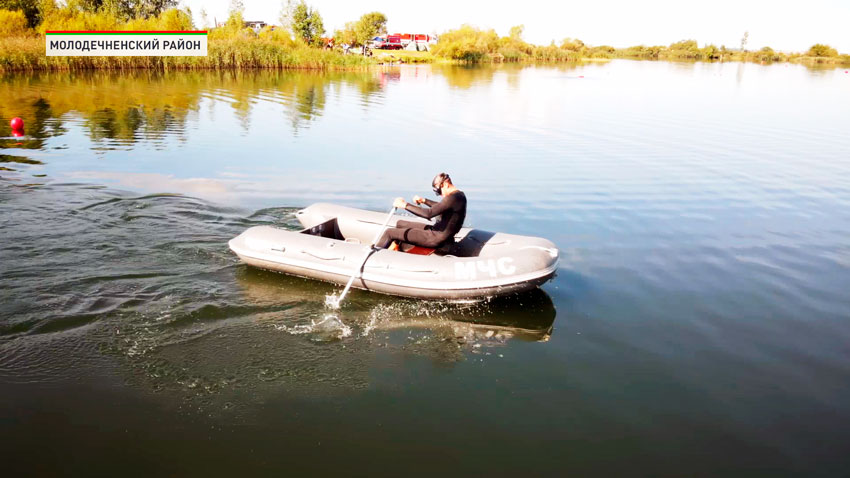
(329, 328)
(332, 301)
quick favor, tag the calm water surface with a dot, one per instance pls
(699, 323)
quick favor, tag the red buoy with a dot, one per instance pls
(17, 124)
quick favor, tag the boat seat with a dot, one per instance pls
(418, 250)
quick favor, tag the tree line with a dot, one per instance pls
(302, 28)
(473, 45)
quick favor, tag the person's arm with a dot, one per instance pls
(420, 199)
(435, 210)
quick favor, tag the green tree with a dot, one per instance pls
(368, 26)
(119, 8)
(346, 35)
(304, 22)
(149, 8)
(516, 32)
(822, 50)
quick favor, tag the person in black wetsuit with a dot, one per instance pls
(451, 209)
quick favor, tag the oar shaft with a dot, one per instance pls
(384, 227)
(368, 253)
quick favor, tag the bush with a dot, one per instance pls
(767, 54)
(685, 49)
(573, 44)
(467, 43)
(554, 53)
(472, 45)
(820, 50)
(603, 51)
(710, 52)
(13, 23)
(642, 52)
(277, 35)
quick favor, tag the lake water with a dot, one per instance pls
(698, 325)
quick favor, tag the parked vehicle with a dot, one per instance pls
(390, 42)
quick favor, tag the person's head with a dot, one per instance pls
(440, 183)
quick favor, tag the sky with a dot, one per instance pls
(781, 24)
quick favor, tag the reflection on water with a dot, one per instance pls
(528, 316)
(145, 106)
(119, 109)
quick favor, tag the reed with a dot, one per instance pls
(230, 46)
(27, 54)
(468, 44)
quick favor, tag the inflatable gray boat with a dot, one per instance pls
(335, 240)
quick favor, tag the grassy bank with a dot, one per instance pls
(27, 54)
(404, 56)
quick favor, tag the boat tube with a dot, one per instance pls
(335, 240)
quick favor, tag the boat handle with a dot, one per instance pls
(334, 258)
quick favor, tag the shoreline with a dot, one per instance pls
(26, 54)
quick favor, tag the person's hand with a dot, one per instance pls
(399, 203)
(418, 200)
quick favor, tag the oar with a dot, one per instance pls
(357, 271)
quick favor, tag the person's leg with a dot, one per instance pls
(417, 237)
(402, 224)
(423, 238)
(391, 234)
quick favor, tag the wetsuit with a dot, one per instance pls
(452, 212)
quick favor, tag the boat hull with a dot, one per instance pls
(395, 289)
(332, 248)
